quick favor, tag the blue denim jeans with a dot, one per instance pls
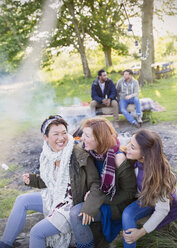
(131, 214)
(16, 221)
(82, 234)
(123, 108)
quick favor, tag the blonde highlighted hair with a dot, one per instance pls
(103, 132)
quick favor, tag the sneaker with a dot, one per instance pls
(116, 125)
(139, 119)
(135, 124)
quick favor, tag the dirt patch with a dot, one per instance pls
(168, 134)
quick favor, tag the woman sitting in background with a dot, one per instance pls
(118, 183)
(156, 187)
(67, 172)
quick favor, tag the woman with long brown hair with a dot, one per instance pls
(156, 187)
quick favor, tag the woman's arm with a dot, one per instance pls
(162, 209)
(127, 185)
(35, 181)
(96, 197)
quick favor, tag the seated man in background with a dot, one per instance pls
(128, 92)
(104, 94)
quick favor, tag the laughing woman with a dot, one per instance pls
(156, 187)
(117, 182)
(67, 173)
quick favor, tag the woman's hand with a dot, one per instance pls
(86, 219)
(86, 195)
(26, 178)
(133, 234)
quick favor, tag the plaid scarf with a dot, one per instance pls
(108, 172)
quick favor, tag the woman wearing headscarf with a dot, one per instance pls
(67, 172)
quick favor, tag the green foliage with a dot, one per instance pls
(17, 21)
(165, 46)
(170, 48)
(136, 56)
(101, 20)
(104, 23)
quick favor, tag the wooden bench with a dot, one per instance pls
(146, 106)
(136, 69)
(163, 69)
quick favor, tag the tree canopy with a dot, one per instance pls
(103, 21)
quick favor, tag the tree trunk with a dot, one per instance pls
(85, 66)
(80, 47)
(147, 57)
(107, 53)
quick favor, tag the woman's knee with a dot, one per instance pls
(21, 200)
(128, 214)
(36, 232)
(75, 211)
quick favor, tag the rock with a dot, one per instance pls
(22, 240)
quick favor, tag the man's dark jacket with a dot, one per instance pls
(109, 90)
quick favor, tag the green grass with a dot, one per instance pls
(4, 182)
(164, 238)
(7, 192)
(164, 91)
(14, 167)
(7, 199)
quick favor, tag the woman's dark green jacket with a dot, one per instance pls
(83, 177)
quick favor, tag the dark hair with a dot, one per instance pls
(158, 179)
(100, 72)
(129, 71)
(58, 120)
